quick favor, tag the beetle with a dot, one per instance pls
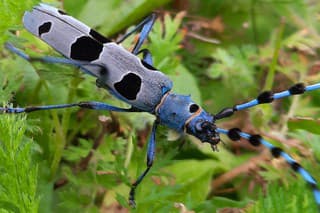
(138, 83)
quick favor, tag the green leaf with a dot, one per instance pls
(75, 153)
(185, 83)
(235, 66)
(122, 13)
(11, 15)
(309, 139)
(222, 203)
(194, 177)
(18, 182)
(165, 40)
(294, 198)
(308, 124)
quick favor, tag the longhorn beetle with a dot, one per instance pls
(137, 82)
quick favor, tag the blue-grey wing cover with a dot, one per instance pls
(67, 35)
(122, 73)
(131, 79)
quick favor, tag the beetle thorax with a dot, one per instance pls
(179, 112)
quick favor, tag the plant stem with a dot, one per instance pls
(272, 68)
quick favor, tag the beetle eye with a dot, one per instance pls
(193, 108)
(206, 125)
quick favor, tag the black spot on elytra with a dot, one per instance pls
(44, 28)
(99, 37)
(103, 71)
(62, 12)
(129, 86)
(85, 49)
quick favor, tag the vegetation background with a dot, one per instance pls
(221, 52)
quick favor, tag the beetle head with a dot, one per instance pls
(203, 127)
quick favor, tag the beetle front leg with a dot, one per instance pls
(146, 56)
(145, 26)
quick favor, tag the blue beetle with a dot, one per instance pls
(137, 82)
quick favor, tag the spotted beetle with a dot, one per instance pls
(137, 82)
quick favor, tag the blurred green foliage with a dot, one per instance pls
(75, 160)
